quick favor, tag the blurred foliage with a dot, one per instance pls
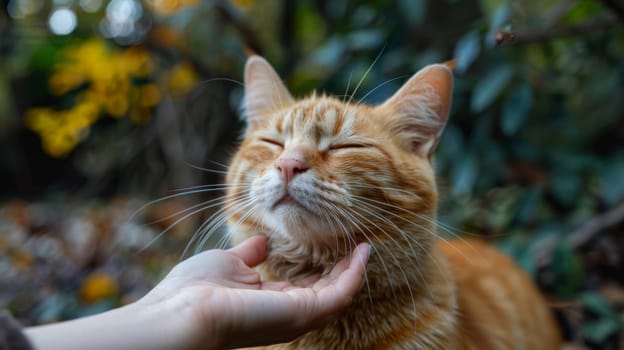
(532, 156)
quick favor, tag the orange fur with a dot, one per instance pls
(320, 175)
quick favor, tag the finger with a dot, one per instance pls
(252, 251)
(338, 293)
(344, 264)
(283, 311)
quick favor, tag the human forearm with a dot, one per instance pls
(135, 326)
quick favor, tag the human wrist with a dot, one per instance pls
(183, 319)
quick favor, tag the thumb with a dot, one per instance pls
(252, 251)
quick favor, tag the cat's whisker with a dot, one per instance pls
(432, 232)
(177, 221)
(383, 188)
(332, 224)
(362, 228)
(220, 221)
(208, 188)
(217, 201)
(210, 221)
(224, 166)
(347, 89)
(185, 192)
(244, 217)
(398, 246)
(379, 86)
(371, 211)
(208, 170)
(345, 237)
(366, 73)
(204, 82)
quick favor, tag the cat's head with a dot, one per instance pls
(320, 173)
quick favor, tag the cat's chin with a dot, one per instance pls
(295, 221)
(294, 256)
(307, 230)
(288, 206)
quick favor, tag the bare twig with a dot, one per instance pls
(536, 36)
(596, 225)
(584, 234)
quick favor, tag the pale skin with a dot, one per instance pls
(215, 300)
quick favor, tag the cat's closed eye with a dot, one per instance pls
(343, 146)
(273, 142)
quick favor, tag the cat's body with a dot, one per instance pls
(320, 175)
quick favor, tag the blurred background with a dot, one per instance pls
(110, 108)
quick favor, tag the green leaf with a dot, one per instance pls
(310, 26)
(330, 53)
(497, 20)
(582, 11)
(567, 271)
(611, 179)
(500, 16)
(566, 186)
(490, 87)
(597, 304)
(606, 322)
(467, 50)
(516, 109)
(488, 7)
(413, 11)
(529, 204)
(465, 174)
(365, 39)
(598, 331)
(526, 260)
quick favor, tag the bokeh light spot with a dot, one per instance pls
(90, 6)
(62, 21)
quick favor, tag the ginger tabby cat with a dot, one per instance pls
(320, 174)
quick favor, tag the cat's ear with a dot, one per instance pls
(264, 91)
(419, 110)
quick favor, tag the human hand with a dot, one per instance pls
(216, 299)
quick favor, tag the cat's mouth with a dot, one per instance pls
(286, 200)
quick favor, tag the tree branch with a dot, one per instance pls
(595, 225)
(521, 37)
(584, 234)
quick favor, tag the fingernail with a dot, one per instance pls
(368, 251)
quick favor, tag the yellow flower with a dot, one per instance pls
(64, 81)
(135, 61)
(149, 95)
(60, 131)
(58, 145)
(109, 74)
(41, 120)
(182, 78)
(117, 105)
(97, 286)
(108, 77)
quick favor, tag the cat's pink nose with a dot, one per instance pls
(291, 166)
